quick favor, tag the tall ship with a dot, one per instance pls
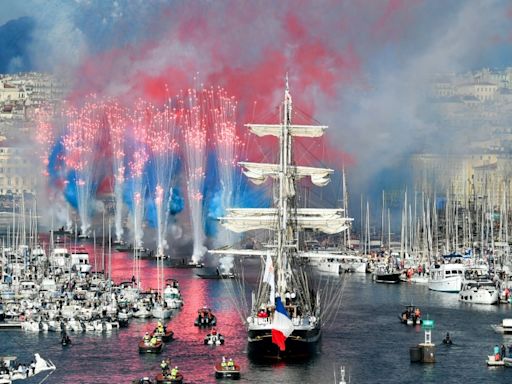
(285, 319)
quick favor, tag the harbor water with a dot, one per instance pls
(364, 335)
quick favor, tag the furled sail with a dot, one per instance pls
(258, 172)
(240, 252)
(246, 219)
(294, 130)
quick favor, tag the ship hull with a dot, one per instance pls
(300, 345)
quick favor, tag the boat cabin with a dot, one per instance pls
(507, 325)
(173, 283)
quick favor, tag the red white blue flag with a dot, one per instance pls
(282, 325)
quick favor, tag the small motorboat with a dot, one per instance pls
(411, 315)
(148, 347)
(205, 318)
(182, 264)
(227, 370)
(214, 338)
(492, 362)
(504, 327)
(166, 335)
(169, 378)
(386, 274)
(217, 275)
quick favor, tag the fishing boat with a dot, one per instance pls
(293, 328)
(172, 294)
(227, 370)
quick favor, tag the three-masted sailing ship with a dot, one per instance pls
(286, 316)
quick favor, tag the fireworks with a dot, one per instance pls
(193, 127)
(116, 118)
(81, 143)
(137, 147)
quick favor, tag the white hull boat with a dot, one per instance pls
(161, 312)
(446, 277)
(478, 292)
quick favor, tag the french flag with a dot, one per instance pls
(282, 325)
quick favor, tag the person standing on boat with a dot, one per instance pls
(165, 367)
(503, 351)
(497, 352)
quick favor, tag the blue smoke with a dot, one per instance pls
(212, 201)
(70, 190)
(128, 190)
(244, 195)
(176, 203)
(249, 195)
(15, 40)
(56, 164)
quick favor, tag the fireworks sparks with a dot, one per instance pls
(138, 147)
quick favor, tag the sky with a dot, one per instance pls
(361, 67)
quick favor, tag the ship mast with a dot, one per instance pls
(284, 218)
(285, 236)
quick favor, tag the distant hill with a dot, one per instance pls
(15, 37)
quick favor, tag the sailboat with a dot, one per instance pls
(285, 320)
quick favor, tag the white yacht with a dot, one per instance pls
(446, 277)
(160, 311)
(80, 260)
(60, 259)
(478, 288)
(335, 262)
(172, 297)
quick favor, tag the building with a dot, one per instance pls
(16, 170)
